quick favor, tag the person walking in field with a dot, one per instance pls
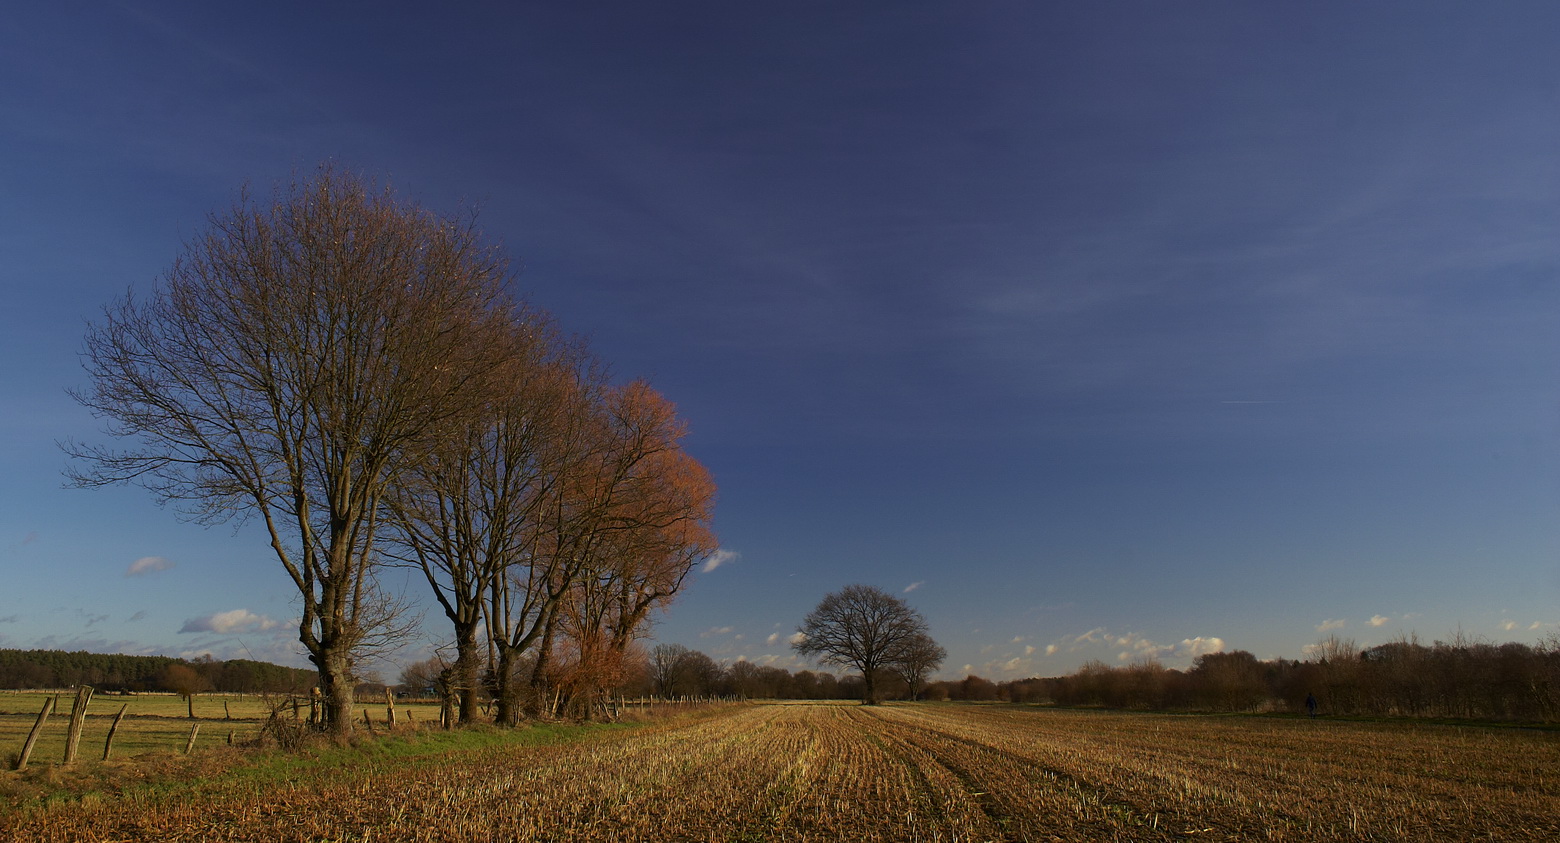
(1310, 704)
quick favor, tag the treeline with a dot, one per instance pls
(33, 669)
(1404, 678)
(357, 372)
(671, 671)
(1462, 679)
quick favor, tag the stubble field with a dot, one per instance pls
(910, 772)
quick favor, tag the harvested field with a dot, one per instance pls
(913, 772)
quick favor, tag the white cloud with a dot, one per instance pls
(148, 565)
(913, 586)
(796, 638)
(717, 630)
(1330, 624)
(1029, 649)
(1200, 646)
(719, 558)
(1133, 646)
(1508, 625)
(230, 623)
(773, 638)
(1379, 620)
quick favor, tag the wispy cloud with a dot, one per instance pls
(1331, 624)
(913, 586)
(230, 622)
(1379, 620)
(717, 630)
(1127, 647)
(148, 565)
(93, 645)
(138, 616)
(10, 619)
(774, 638)
(719, 558)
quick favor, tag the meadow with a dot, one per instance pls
(827, 772)
(153, 722)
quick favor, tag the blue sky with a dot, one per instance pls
(1096, 330)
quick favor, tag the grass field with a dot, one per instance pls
(841, 772)
(152, 722)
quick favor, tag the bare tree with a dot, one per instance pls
(667, 661)
(296, 357)
(461, 515)
(863, 628)
(916, 661)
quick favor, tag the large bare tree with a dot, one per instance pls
(464, 514)
(298, 354)
(863, 628)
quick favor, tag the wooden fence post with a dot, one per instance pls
(390, 709)
(78, 716)
(189, 746)
(32, 737)
(108, 745)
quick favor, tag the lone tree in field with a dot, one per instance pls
(297, 356)
(863, 628)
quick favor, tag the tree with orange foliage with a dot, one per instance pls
(632, 526)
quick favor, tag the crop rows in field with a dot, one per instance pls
(915, 773)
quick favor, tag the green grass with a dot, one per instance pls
(153, 723)
(157, 777)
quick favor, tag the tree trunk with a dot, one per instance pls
(508, 689)
(466, 673)
(539, 685)
(335, 693)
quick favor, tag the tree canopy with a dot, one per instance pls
(870, 631)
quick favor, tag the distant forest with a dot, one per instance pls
(1462, 679)
(1458, 679)
(29, 669)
